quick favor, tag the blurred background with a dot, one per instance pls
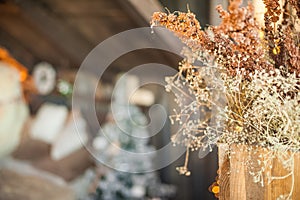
(45, 41)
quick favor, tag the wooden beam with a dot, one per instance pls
(25, 35)
(86, 9)
(132, 13)
(146, 8)
(17, 50)
(66, 38)
(141, 11)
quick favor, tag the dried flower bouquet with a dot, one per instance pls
(239, 83)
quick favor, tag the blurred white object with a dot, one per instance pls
(13, 111)
(44, 77)
(49, 122)
(128, 91)
(138, 191)
(72, 137)
(143, 97)
(125, 87)
(100, 143)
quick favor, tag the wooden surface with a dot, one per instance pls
(224, 167)
(237, 184)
